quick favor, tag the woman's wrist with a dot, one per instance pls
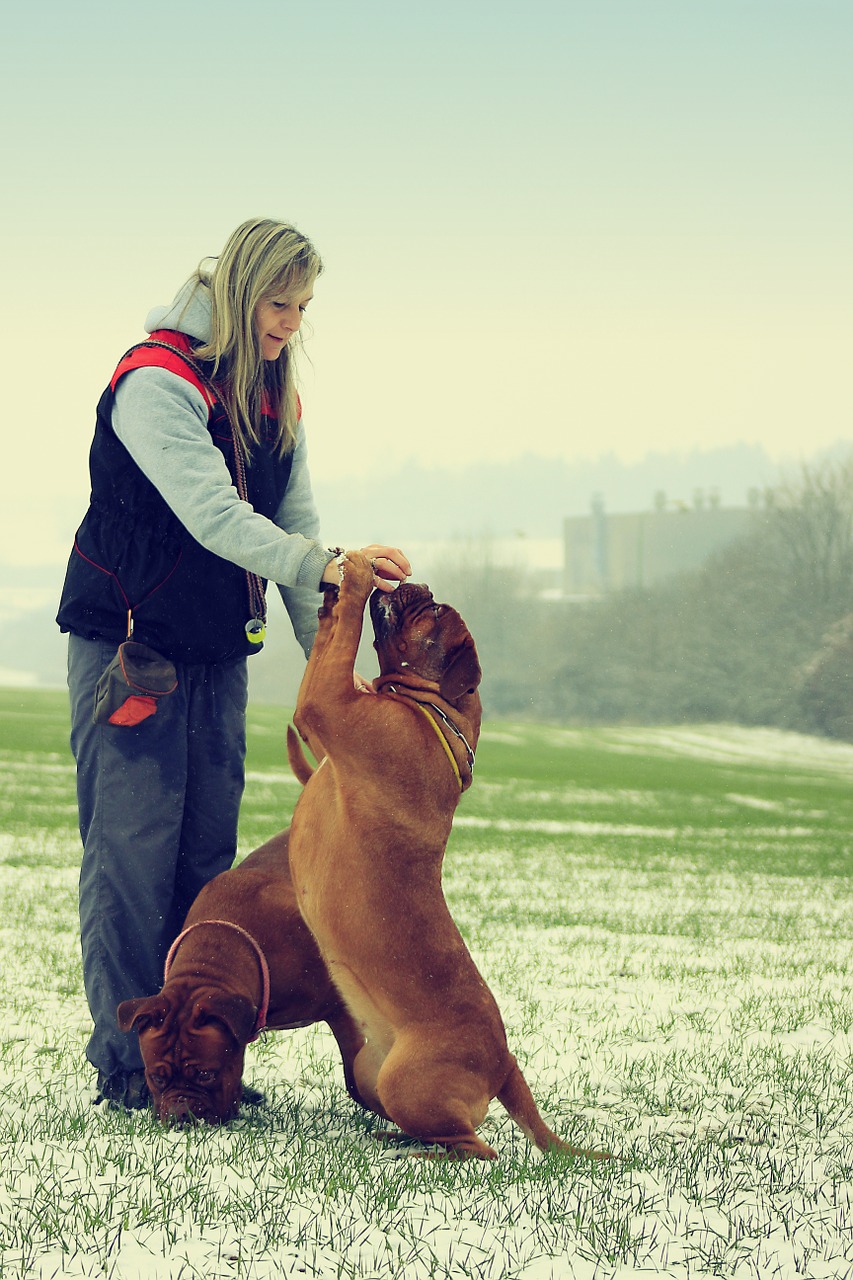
(334, 568)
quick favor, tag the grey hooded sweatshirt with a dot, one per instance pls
(161, 419)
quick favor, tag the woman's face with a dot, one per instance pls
(277, 319)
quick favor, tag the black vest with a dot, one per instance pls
(132, 556)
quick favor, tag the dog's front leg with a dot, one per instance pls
(328, 682)
(327, 616)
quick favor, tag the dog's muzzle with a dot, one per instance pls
(183, 1107)
(389, 608)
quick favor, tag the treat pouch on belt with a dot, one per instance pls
(132, 685)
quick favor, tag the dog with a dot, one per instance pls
(244, 961)
(367, 841)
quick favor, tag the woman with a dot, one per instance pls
(200, 492)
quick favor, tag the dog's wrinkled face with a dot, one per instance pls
(192, 1046)
(413, 632)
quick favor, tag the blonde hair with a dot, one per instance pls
(263, 259)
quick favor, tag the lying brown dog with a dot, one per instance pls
(366, 847)
(244, 961)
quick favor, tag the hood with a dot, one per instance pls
(189, 313)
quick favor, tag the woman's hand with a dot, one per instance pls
(390, 567)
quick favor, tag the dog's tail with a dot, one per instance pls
(515, 1095)
(296, 756)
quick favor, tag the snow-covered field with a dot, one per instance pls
(666, 918)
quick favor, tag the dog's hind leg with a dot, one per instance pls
(365, 1068)
(439, 1104)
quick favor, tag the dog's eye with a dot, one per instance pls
(206, 1077)
(159, 1079)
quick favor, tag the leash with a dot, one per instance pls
(261, 1021)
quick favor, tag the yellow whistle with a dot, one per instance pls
(255, 631)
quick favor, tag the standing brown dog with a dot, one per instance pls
(244, 961)
(367, 842)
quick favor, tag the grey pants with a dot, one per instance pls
(158, 806)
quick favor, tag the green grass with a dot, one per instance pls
(666, 918)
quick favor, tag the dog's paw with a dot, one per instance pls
(356, 573)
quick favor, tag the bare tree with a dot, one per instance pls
(812, 522)
(826, 686)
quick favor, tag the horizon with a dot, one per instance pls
(727, 476)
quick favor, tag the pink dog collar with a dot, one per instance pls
(261, 1021)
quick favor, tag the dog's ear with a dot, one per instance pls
(138, 1015)
(236, 1013)
(462, 673)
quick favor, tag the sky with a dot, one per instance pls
(566, 228)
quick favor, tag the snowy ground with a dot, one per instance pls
(675, 978)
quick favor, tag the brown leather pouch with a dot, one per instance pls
(132, 685)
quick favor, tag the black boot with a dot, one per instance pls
(123, 1091)
(252, 1097)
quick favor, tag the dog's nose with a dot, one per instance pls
(381, 612)
(179, 1113)
(178, 1119)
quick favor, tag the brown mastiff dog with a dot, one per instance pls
(244, 961)
(366, 847)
